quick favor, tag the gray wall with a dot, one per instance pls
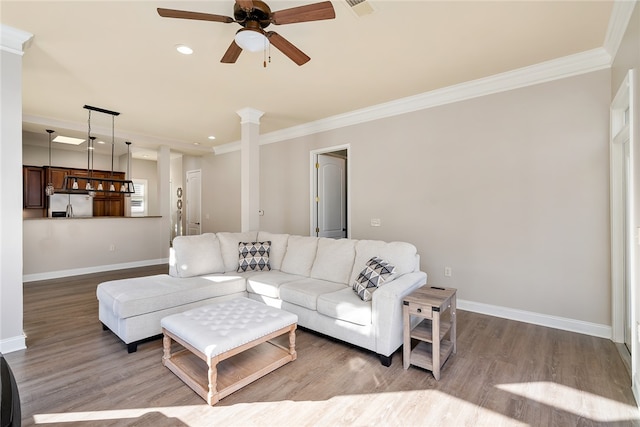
(510, 190)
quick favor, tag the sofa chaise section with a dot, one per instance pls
(133, 308)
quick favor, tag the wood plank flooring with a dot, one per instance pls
(505, 373)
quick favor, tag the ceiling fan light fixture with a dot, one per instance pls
(184, 49)
(251, 40)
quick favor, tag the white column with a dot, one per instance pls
(164, 192)
(11, 313)
(250, 168)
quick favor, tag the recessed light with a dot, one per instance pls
(183, 49)
(196, 143)
(68, 140)
(101, 142)
(212, 137)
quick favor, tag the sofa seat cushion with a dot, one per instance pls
(345, 305)
(305, 292)
(141, 295)
(268, 284)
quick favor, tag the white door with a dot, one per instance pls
(193, 197)
(331, 200)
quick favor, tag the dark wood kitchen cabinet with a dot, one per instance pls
(33, 185)
(36, 179)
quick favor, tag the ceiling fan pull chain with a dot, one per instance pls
(264, 52)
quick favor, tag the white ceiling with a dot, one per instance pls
(120, 55)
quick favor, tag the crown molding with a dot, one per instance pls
(618, 22)
(13, 40)
(572, 65)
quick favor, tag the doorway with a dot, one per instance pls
(193, 199)
(329, 192)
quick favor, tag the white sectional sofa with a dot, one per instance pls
(308, 276)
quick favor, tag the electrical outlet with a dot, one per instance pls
(376, 222)
(112, 247)
(447, 272)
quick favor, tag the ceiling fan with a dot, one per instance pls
(254, 16)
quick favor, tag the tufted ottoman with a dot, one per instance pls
(211, 334)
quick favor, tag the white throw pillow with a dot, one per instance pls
(229, 247)
(278, 247)
(301, 251)
(197, 255)
(334, 260)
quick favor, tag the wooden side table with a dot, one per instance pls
(433, 348)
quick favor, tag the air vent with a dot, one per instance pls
(360, 7)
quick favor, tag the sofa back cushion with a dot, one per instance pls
(301, 251)
(334, 260)
(229, 247)
(404, 256)
(197, 255)
(278, 247)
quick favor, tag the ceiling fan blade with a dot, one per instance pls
(284, 46)
(232, 53)
(245, 4)
(184, 14)
(311, 12)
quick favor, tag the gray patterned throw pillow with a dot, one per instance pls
(254, 256)
(376, 272)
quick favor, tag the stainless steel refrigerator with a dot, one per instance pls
(70, 205)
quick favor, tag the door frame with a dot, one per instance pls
(313, 180)
(622, 211)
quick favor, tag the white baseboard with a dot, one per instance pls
(13, 344)
(88, 270)
(566, 324)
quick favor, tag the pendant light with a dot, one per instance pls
(49, 190)
(71, 181)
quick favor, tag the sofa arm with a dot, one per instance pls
(386, 306)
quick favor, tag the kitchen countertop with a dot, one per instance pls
(92, 217)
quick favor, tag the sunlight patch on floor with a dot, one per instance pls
(405, 407)
(578, 402)
(115, 414)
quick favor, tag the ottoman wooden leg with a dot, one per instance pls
(213, 397)
(166, 348)
(292, 343)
